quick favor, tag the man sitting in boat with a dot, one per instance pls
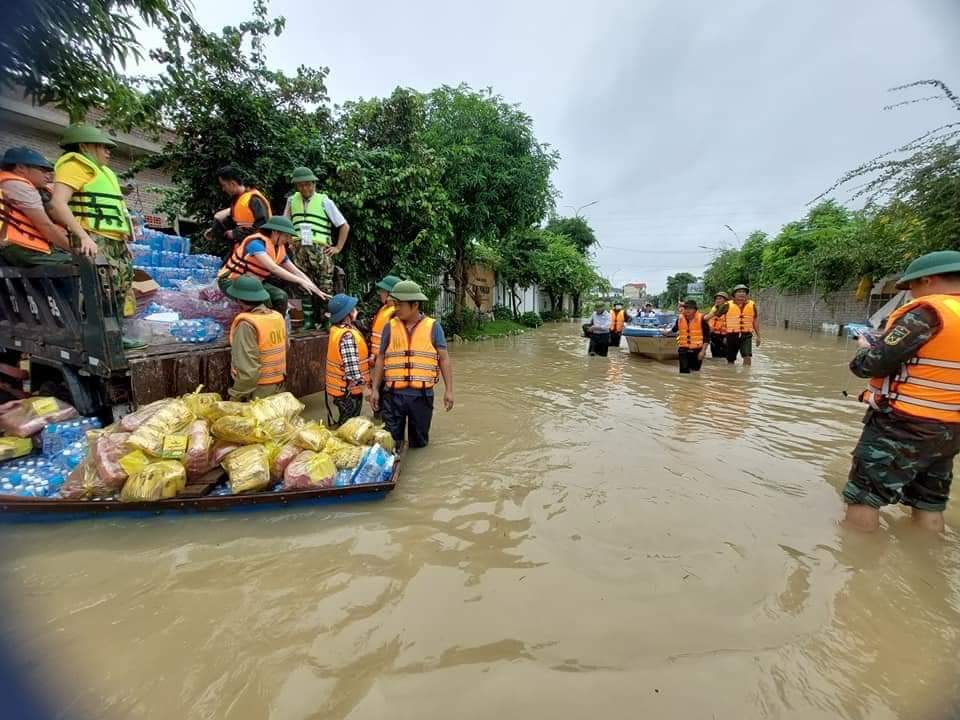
(258, 342)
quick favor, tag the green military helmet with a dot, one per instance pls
(408, 291)
(303, 174)
(388, 283)
(740, 287)
(81, 133)
(249, 289)
(935, 263)
(280, 224)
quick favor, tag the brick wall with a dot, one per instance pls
(796, 310)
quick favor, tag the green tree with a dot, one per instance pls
(562, 269)
(676, 290)
(225, 105)
(496, 173)
(518, 264)
(575, 228)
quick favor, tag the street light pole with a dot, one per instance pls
(576, 211)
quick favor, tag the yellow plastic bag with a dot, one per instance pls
(202, 404)
(278, 430)
(309, 470)
(283, 405)
(384, 439)
(171, 418)
(343, 453)
(134, 462)
(14, 447)
(358, 430)
(238, 429)
(227, 407)
(159, 480)
(312, 436)
(248, 469)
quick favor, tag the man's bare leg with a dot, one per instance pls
(932, 521)
(863, 518)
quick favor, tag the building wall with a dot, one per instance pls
(801, 310)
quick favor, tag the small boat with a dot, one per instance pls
(197, 497)
(644, 338)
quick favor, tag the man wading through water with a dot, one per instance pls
(911, 432)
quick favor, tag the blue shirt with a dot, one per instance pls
(257, 246)
(439, 340)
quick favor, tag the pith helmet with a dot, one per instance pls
(935, 263)
(82, 133)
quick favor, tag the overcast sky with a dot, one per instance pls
(678, 116)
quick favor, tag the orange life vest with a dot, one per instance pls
(336, 377)
(616, 321)
(241, 264)
(240, 210)
(380, 320)
(16, 227)
(272, 342)
(411, 360)
(928, 385)
(690, 333)
(718, 323)
(740, 320)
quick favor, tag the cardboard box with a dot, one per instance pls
(143, 284)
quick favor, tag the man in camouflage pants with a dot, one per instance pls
(315, 217)
(911, 432)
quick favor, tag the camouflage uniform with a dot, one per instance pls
(901, 459)
(317, 265)
(117, 254)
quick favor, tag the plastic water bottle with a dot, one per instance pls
(201, 330)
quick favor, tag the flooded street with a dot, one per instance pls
(585, 537)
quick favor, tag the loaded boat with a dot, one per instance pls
(644, 337)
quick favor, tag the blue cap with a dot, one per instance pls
(340, 306)
(26, 156)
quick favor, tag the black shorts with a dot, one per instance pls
(741, 343)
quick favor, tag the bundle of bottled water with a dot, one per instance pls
(201, 330)
(56, 437)
(33, 476)
(167, 259)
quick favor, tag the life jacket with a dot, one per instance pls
(336, 377)
(928, 384)
(718, 323)
(272, 342)
(411, 360)
(740, 320)
(240, 210)
(99, 205)
(16, 228)
(239, 263)
(690, 333)
(314, 215)
(380, 320)
(616, 321)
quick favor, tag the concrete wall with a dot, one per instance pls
(797, 310)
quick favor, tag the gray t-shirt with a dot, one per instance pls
(601, 320)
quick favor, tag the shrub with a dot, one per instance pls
(531, 319)
(502, 312)
(552, 315)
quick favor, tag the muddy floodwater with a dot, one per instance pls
(584, 538)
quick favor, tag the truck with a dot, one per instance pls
(66, 320)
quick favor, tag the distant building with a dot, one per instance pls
(635, 290)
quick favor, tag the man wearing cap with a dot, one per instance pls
(741, 325)
(718, 326)
(315, 216)
(599, 330)
(88, 202)
(617, 320)
(27, 234)
(412, 358)
(693, 333)
(911, 431)
(258, 343)
(264, 254)
(348, 360)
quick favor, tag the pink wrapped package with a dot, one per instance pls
(107, 453)
(199, 443)
(190, 306)
(282, 460)
(309, 470)
(129, 423)
(29, 416)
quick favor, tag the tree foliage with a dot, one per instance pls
(562, 268)
(577, 229)
(73, 53)
(676, 289)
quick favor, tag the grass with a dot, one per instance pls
(494, 329)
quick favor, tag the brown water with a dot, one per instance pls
(585, 537)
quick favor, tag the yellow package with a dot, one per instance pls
(174, 446)
(14, 447)
(234, 428)
(343, 453)
(202, 404)
(156, 481)
(248, 469)
(283, 405)
(278, 430)
(309, 470)
(171, 418)
(358, 430)
(134, 462)
(312, 436)
(227, 407)
(384, 439)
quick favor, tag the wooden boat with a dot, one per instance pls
(197, 497)
(644, 339)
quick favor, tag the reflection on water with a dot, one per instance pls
(585, 537)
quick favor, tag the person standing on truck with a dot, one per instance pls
(742, 324)
(347, 378)
(315, 216)
(258, 343)
(412, 358)
(911, 431)
(265, 256)
(88, 202)
(28, 236)
(249, 208)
